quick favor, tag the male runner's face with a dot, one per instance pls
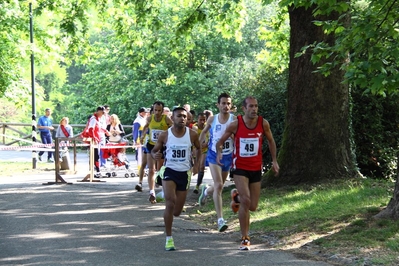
(224, 105)
(189, 118)
(158, 110)
(179, 118)
(251, 109)
(201, 120)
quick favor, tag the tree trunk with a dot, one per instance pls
(392, 210)
(316, 142)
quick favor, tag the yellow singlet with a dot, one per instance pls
(156, 128)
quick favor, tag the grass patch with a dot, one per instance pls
(334, 218)
(16, 168)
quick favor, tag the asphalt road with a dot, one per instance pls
(107, 223)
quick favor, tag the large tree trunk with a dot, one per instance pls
(392, 210)
(316, 142)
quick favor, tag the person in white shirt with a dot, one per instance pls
(176, 171)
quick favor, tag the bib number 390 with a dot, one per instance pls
(178, 153)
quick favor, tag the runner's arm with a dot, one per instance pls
(156, 151)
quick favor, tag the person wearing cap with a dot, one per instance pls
(97, 130)
(138, 125)
(45, 125)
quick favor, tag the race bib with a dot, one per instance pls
(249, 147)
(227, 146)
(178, 153)
(155, 134)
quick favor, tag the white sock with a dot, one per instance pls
(220, 220)
(152, 191)
(168, 237)
(206, 192)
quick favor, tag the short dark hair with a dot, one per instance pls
(158, 103)
(244, 102)
(178, 109)
(100, 108)
(223, 95)
(143, 109)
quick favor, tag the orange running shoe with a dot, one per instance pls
(235, 206)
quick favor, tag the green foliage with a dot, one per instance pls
(12, 22)
(274, 29)
(369, 33)
(127, 71)
(375, 127)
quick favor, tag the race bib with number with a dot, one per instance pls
(249, 147)
(178, 153)
(227, 146)
(155, 134)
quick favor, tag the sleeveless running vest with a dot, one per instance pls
(248, 146)
(216, 131)
(156, 128)
(178, 151)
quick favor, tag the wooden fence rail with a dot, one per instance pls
(10, 126)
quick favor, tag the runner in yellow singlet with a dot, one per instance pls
(156, 124)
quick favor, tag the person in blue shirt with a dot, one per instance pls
(138, 126)
(45, 126)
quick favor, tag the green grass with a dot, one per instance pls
(336, 216)
(15, 168)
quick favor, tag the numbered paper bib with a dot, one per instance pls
(178, 153)
(249, 147)
(155, 134)
(227, 146)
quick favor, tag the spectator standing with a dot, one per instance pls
(98, 131)
(45, 126)
(64, 130)
(107, 120)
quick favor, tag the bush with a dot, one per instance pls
(375, 127)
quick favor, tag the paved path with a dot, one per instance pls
(107, 223)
